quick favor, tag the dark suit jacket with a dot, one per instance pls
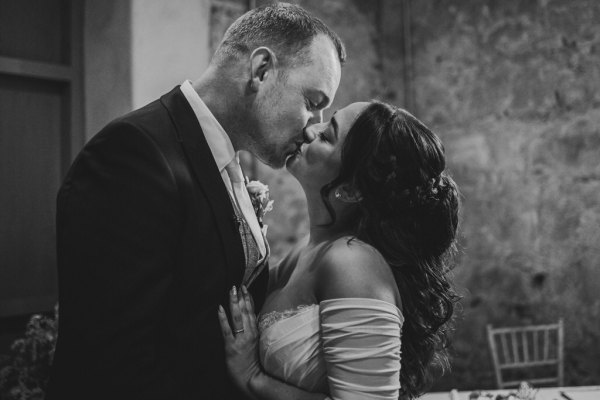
(147, 250)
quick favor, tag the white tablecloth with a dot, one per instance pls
(553, 393)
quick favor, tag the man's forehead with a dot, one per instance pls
(324, 66)
(323, 53)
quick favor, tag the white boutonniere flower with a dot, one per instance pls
(259, 195)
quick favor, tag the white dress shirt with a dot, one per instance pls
(220, 146)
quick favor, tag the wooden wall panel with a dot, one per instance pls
(33, 119)
(41, 129)
(35, 30)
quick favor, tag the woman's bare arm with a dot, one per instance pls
(241, 351)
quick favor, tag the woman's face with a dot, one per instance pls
(317, 163)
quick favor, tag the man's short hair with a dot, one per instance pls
(286, 28)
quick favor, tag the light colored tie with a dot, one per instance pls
(241, 197)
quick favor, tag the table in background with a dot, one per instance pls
(547, 393)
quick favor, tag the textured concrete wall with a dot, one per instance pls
(513, 88)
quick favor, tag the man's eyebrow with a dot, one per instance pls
(335, 126)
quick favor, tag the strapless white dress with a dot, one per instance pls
(348, 348)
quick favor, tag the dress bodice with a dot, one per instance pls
(290, 347)
(349, 348)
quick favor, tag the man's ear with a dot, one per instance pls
(347, 194)
(262, 65)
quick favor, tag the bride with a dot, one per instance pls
(359, 311)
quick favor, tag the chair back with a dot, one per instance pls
(527, 348)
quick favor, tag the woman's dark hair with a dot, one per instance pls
(409, 213)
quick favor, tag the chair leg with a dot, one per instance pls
(492, 344)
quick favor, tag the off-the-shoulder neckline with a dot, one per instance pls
(269, 319)
(299, 309)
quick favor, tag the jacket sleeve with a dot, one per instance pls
(118, 224)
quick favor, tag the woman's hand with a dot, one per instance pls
(241, 338)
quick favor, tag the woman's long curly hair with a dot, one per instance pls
(409, 213)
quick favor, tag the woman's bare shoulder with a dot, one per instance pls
(352, 268)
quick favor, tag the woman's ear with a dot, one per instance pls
(347, 194)
(262, 65)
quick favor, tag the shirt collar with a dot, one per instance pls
(216, 137)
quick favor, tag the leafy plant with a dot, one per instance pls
(25, 372)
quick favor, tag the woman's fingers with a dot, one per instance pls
(236, 314)
(242, 314)
(248, 299)
(251, 316)
(248, 296)
(225, 329)
(245, 316)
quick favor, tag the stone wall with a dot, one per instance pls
(513, 89)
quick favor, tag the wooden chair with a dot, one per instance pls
(527, 348)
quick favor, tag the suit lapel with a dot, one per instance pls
(206, 172)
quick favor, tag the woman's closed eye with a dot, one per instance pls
(323, 136)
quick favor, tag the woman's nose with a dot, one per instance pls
(317, 117)
(310, 129)
(309, 134)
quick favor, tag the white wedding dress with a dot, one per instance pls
(348, 348)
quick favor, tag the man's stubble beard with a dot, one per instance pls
(268, 154)
(260, 145)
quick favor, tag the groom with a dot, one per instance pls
(152, 222)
